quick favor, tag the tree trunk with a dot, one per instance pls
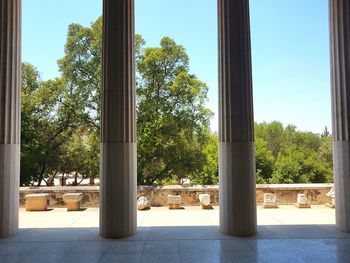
(75, 183)
(92, 181)
(63, 180)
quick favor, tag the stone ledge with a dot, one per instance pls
(157, 195)
(37, 196)
(293, 186)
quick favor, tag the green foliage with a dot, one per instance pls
(172, 122)
(46, 125)
(79, 154)
(61, 121)
(298, 165)
(81, 70)
(264, 161)
(285, 155)
(174, 141)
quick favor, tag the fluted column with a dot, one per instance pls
(340, 75)
(118, 124)
(10, 62)
(236, 124)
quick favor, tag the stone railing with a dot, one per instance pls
(285, 193)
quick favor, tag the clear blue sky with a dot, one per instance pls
(290, 48)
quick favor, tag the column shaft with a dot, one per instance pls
(118, 123)
(10, 62)
(340, 76)
(236, 124)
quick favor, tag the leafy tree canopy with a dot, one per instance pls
(61, 121)
(172, 121)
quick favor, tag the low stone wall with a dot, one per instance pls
(285, 193)
(189, 194)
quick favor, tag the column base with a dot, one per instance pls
(237, 188)
(9, 188)
(341, 154)
(118, 190)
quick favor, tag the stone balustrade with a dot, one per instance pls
(158, 195)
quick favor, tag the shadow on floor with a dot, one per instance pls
(204, 244)
(179, 233)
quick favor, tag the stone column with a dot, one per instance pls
(10, 65)
(236, 124)
(340, 76)
(118, 124)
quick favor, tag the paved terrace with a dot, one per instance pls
(286, 234)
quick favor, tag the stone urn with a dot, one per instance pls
(143, 203)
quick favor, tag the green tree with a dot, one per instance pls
(61, 121)
(286, 155)
(208, 174)
(79, 155)
(172, 121)
(264, 161)
(46, 125)
(274, 134)
(299, 165)
(81, 70)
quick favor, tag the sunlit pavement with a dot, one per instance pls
(188, 216)
(286, 234)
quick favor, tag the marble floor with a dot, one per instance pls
(190, 235)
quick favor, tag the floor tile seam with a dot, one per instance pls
(12, 254)
(324, 228)
(76, 220)
(111, 241)
(60, 257)
(148, 232)
(243, 240)
(162, 240)
(262, 260)
(343, 260)
(141, 254)
(3, 240)
(252, 251)
(69, 250)
(129, 253)
(35, 251)
(219, 254)
(86, 254)
(185, 252)
(299, 238)
(143, 247)
(102, 256)
(29, 253)
(194, 239)
(276, 219)
(43, 242)
(111, 245)
(19, 260)
(151, 251)
(148, 254)
(251, 246)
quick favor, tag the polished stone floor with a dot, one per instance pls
(191, 235)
